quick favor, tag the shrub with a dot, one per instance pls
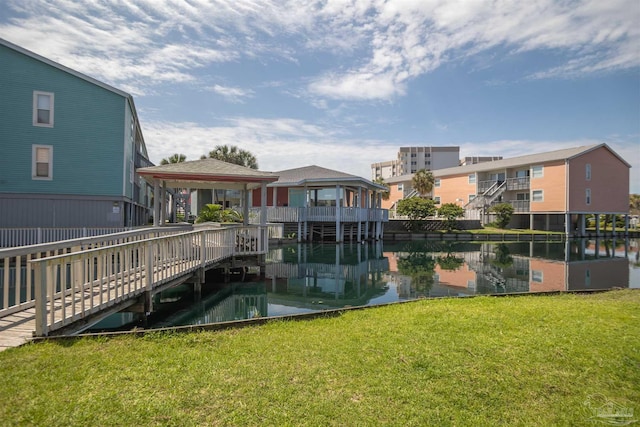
(503, 212)
(450, 211)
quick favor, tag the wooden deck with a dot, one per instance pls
(73, 290)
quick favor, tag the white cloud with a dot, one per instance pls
(277, 144)
(383, 44)
(232, 94)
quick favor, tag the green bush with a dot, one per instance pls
(215, 213)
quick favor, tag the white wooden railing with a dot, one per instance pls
(318, 214)
(12, 237)
(72, 286)
(16, 276)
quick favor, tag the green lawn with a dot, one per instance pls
(485, 361)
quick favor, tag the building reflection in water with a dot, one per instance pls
(432, 269)
(304, 278)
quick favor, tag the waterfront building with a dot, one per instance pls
(553, 191)
(71, 145)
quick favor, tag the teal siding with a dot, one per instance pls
(88, 136)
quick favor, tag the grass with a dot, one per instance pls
(531, 360)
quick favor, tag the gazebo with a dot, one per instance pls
(205, 174)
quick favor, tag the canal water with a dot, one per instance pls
(304, 278)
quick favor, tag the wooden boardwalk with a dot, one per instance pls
(74, 290)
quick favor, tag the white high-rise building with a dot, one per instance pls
(412, 159)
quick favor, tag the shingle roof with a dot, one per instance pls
(530, 159)
(309, 175)
(206, 171)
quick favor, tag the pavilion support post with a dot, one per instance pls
(597, 225)
(626, 225)
(156, 202)
(245, 205)
(338, 216)
(163, 204)
(263, 204)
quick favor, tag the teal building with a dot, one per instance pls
(70, 148)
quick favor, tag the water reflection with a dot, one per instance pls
(305, 278)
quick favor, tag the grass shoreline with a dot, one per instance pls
(530, 360)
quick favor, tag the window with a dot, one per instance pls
(42, 109)
(537, 276)
(471, 197)
(537, 171)
(400, 187)
(42, 162)
(472, 178)
(522, 196)
(588, 171)
(537, 195)
(588, 196)
(436, 183)
(436, 200)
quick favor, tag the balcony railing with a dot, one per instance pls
(141, 162)
(318, 214)
(522, 183)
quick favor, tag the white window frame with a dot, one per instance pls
(436, 183)
(587, 171)
(37, 93)
(34, 165)
(587, 195)
(533, 195)
(472, 178)
(537, 171)
(436, 200)
(471, 197)
(400, 187)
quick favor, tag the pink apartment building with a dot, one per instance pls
(551, 191)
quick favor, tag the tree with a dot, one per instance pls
(503, 213)
(233, 154)
(416, 208)
(451, 212)
(386, 194)
(175, 158)
(422, 182)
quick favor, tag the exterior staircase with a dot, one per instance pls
(488, 197)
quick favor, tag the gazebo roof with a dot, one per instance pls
(316, 175)
(207, 173)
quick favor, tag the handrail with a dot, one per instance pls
(16, 276)
(71, 286)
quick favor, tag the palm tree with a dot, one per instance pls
(235, 155)
(175, 158)
(422, 182)
(386, 194)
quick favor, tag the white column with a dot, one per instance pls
(338, 215)
(567, 223)
(163, 204)
(274, 194)
(156, 202)
(263, 205)
(245, 205)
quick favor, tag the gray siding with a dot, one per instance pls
(54, 211)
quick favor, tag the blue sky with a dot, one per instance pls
(343, 84)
